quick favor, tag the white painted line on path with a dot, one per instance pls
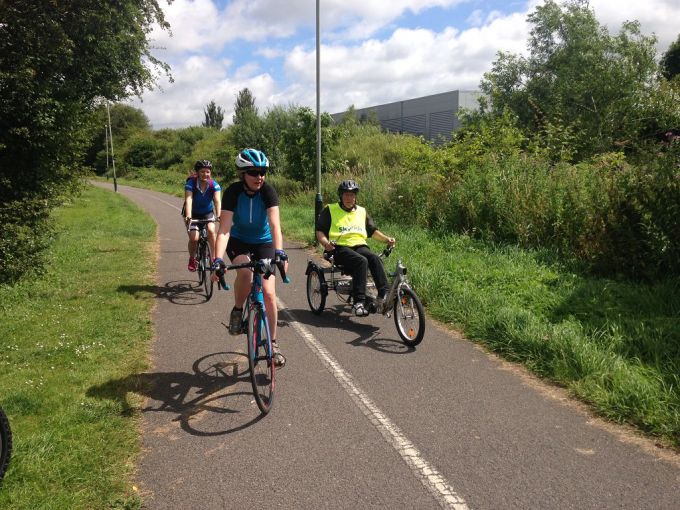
(428, 475)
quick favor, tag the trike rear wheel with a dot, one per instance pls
(316, 294)
(409, 317)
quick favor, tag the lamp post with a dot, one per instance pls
(106, 142)
(113, 158)
(318, 203)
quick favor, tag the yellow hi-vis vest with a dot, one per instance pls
(348, 228)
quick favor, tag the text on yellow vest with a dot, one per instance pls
(348, 228)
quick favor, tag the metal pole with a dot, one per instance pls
(113, 158)
(318, 203)
(106, 142)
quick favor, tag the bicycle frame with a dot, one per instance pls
(203, 253)
(254, 300)
(258, 333)
(398, 281)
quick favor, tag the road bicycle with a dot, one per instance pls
(255, 325)
(401, 300)
(5, 443)
(204, 269)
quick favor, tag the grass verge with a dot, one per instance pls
(65, 334)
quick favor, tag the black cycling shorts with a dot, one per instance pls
(236, 247)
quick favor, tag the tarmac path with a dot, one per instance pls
(360, 421)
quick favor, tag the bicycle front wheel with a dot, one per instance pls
(260, 358)
(207, 273)
(5, 443)
(201, 268)
(409, 317)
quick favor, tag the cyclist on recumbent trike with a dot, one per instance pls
(342, 228)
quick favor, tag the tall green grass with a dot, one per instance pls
(82, 324)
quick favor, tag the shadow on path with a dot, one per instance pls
(181, 292)
(198, 398)
(367, 334)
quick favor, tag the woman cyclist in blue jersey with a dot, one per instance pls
(250, 224)
(201, 202)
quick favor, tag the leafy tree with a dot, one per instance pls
(247, 128)
(57, 61)
(214, 115)
(579, 86)
(299, 144)
(244, 107)
(670, 62)
(275, 123)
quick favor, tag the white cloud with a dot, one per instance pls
(657, 16)
(355, 69)
(410, 63)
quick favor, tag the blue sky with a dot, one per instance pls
(372, 51)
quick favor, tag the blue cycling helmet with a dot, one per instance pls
(249, 158)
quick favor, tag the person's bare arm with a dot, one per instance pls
(223, 233)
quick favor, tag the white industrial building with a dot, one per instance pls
(432, 117)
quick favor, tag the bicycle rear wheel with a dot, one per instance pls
(409, 317)
(207, 272)
(5, 443)
(260, 360)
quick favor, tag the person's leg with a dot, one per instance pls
(193, 243)
(377, 269)
(212, 238)
(266, 251)
(356, 265)
(238, 253)
(192, 247)
(269, 291)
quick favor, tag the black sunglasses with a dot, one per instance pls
(255, 173)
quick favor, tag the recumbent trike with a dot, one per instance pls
(401, 300)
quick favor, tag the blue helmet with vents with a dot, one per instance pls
(251, 158)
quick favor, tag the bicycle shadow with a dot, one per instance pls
(203, 397)
(180, 292)
(367, 334)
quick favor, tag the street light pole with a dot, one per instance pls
(106, 142)
(318, 203)
(113, 158)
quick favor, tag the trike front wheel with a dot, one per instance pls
(409, 317)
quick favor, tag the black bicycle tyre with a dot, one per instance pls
(260, 361)
(200, 269)
(207, 273)
(407, 333)
(315, 289)
(5, 443)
